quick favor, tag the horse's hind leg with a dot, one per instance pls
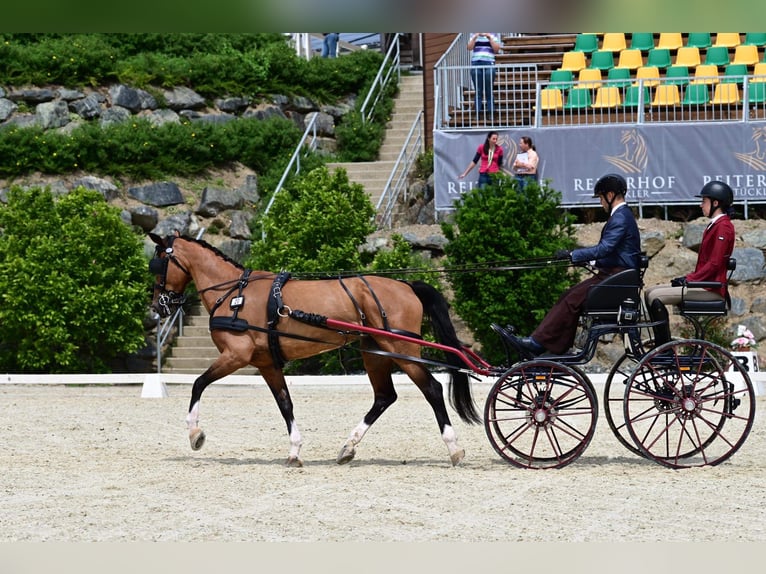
(275, 379)
(379, 372)
(433, 392)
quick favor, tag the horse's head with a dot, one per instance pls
(171, 273)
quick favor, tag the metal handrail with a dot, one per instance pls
(165, 329)
(400, 171)
(380, 81)
(295, 159)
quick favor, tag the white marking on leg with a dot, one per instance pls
(357, 434)
(295, 441)
(449, 436)
(192, 419)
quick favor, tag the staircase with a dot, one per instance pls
(373, 175)
(194, 351)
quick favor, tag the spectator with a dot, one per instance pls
(330, 44)
(525, 165)
(489, 157)
(483, 47)
(618, 249)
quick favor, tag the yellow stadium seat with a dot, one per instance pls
(727, 39)
(589, 78)
(551, 99)
(613, 41)
(759, 72)
(607, 97)
(573, 61)
(667, 95)
(649, 74)
(670, 40)
(746, 54)
(726, 94)
(688, 56)
(632, 59)
(706, 74)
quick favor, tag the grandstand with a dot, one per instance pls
(660, 99)
(604, 83)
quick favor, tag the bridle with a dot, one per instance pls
(158, 266)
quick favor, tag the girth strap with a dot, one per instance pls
(274, 309)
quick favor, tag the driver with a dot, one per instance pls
(618, 249)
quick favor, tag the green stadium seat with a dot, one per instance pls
(755, 38)
(619, 77)
(561, 79)
(700, 40)
(642, 41)
(601, 60)
(696, 95)
(734, 73)
(717, 55)
(659, 57)
(586, 43)
(756, 92)
(577, 99)
(678, 75)
(632, 95)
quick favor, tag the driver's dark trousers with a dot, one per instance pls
(556, 332)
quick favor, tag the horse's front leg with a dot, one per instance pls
(275, 379)
(223, 365)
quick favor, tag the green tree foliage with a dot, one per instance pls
(316, 227)
(500, 223)
(72, 283)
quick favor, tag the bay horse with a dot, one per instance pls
(253, 322)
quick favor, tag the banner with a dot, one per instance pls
(662, 163)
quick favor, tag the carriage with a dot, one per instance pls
(680, 402)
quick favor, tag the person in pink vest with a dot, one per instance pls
(489, 158)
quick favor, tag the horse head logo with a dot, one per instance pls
(635, 156)
(756, 158)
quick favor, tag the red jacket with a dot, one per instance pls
(715, 250)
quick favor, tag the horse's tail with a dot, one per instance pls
(435, 306)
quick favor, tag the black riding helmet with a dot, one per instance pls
(718, 191)
(610, 182)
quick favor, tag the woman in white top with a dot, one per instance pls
(525, 165)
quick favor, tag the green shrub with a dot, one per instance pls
(73, 283)
(499, 223)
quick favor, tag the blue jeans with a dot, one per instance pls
(330, 45)
(483, 77)
(484, 179)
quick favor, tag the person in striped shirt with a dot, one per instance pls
(483, 47)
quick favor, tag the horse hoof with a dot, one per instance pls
(457, 457)
(294, 462)
(345, 455)
(197, 439)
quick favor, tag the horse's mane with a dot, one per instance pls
(215, 250)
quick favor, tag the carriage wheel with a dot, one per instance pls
(614, 395)
(541, 414)
(689, 403)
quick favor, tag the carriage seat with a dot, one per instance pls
(704, 308)
(616, 298)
